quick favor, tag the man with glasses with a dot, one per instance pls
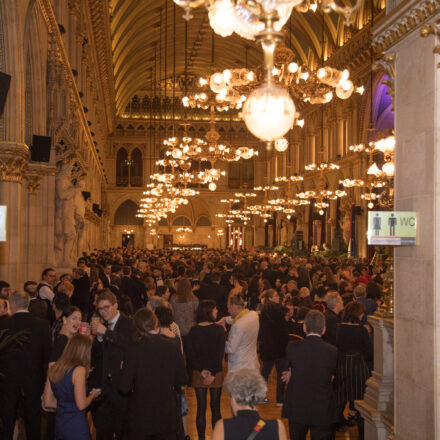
(113, 336)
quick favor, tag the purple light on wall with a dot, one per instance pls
(383, 117)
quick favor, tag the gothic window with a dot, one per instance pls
(241, 174)
(122, 167)
(135, 168)
(181, 221)
(203, 221)
(126, 214)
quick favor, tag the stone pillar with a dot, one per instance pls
(13, 160)
(417, 188)
(377, 408)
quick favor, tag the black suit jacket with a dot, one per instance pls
(108, 356)
(133, 289)
(105, 281)
(309, 396)
(217, 293)
(26, 364)
(39, 308)
(81, 295)
(154, 366)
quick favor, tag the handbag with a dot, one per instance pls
(48, 400)
(257, 428)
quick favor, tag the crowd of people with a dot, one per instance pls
(113, 345)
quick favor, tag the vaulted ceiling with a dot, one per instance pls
(148, 43)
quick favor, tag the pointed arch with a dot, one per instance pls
(126, 214)
(136, 168)
(121, 167)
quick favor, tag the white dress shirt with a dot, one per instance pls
(45, 292)
(241, 345)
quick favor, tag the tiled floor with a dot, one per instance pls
(268, 410)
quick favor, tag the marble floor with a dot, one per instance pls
(267, 410)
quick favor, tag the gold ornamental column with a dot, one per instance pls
(13, 161)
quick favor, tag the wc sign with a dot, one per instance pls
(396, 228)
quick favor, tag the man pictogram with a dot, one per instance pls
(392, 223)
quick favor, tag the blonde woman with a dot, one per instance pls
(67, 384)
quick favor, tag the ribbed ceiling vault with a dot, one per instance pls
(141, 51)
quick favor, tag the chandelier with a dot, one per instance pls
(212, 150)
(269, 112)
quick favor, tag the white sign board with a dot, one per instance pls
(396, 228)
(3, 217)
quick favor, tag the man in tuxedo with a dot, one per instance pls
(332, 315)
(23, 367)
(215, 291)
(132, 289)
(309, 402)
(108, 354)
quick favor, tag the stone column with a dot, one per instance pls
(417, 188)
(377, 408)
(13, 160)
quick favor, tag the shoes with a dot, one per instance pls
(279, 404)
(266, 400)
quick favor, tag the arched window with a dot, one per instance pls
(203, 221)
(383, 116)
(126, 214)
(136, 168)
(181, 221)
(122, 167)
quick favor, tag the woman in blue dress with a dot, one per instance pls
(67, 381)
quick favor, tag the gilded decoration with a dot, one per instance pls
(34, 172)
(13, 160)
(432, 29)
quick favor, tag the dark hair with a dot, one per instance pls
(4, 284)
(374, 291)
(116, 268)
(204, 311)
(353, 310)
(144, 321)
(164, 316)
(107, 295)
(215, 277)
(45, 272)
(314, 322)
(69, 310)
(61, 301)
(161, 290)
(81, 260)
(126, 270)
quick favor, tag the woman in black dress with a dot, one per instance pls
(354, 351)
(247, 388)
(206, 348)
(152, 368)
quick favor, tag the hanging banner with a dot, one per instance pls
(396, 228)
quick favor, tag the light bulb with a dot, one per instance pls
(313, 7)
(281, 144)
(371, 205)
(373, 170)
(289, 216)
(344, 89)
(221, 17)
(269, 113)
(293, 67)
(388, 169)
(177, 153)
(212, 186)
(321, 212)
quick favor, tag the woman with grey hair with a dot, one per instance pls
(247, 388)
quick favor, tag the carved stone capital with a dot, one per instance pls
(13, 160)
(34, 172)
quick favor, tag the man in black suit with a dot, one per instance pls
(23, 367)
(132, 289)
(332, 315)
(226, 275)
(309, 402)
(105, 275)
(81, 293)
(215, 291)
(37, 306)
(108, 353)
